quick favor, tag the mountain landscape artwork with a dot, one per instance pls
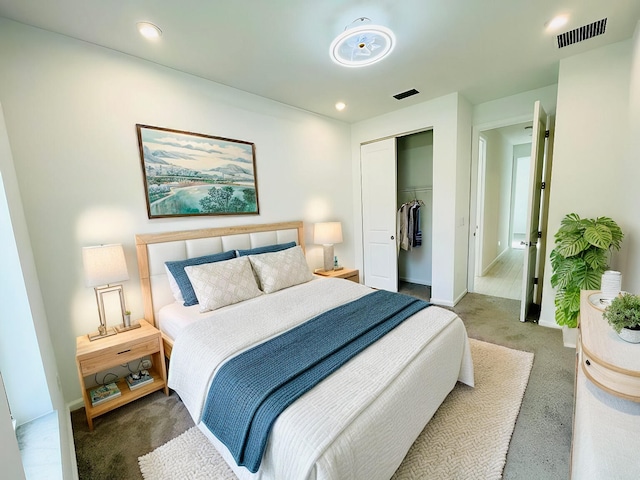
(195, 174)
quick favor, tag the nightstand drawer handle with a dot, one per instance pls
(124, 351)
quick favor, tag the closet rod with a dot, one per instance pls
(417, 189)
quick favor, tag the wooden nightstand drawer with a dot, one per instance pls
(118, 355)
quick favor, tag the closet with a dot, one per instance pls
(414, 155)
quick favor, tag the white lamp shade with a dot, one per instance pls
(327, 233)
(104, 264)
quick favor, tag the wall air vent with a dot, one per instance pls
(408, 93)
(582, 33)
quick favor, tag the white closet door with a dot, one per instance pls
(379, 197)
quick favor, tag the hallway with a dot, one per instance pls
(504, 279)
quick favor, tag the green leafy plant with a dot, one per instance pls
(579, 260)
(624, 312)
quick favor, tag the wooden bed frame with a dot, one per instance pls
(193, 243)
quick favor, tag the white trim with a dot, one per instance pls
(418, 281)
(72, 448)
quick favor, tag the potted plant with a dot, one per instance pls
(623, 314)
(127, 318)
(578, 261)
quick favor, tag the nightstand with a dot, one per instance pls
(346, 273)
(106, 353)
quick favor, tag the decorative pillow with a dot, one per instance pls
(280, 270)
(223, 283)
(175, 288)
(182, 280)
(266, 249)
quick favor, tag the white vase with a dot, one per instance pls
(631, 336)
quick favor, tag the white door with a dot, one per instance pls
(544, 207)
(379, 198)
(531, 239)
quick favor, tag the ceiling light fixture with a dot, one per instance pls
(340, 106)
(149, 30)
(362, 44)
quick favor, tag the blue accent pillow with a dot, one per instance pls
(177, 270)
(266, 249)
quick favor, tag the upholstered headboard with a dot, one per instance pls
(157, 248)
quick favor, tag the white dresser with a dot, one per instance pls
(606, 424)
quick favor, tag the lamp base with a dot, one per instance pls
(97, 335)
(122, 328)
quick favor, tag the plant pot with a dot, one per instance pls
(631, 335)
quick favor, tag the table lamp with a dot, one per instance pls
(327, 234)
(103, 266)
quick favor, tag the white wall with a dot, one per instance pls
(589, 175)
(520, 193)
(71, 109)
(497, 197)
(27, 349)
(450, 165)
(9, 453)
(630, 177)
(25, 380)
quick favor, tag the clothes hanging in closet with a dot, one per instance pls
(408, 232)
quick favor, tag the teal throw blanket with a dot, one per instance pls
(252, 389)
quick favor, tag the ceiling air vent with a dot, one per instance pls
(408, 93)
(582, 33)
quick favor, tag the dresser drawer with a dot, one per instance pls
(117, 355)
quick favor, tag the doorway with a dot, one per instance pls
(503, 178)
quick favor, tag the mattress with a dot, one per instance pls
(361, 420)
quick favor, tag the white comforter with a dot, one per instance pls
(359, 422)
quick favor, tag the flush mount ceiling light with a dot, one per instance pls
(149, 30)
(362, 44)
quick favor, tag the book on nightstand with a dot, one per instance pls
(103, 393)
(137, 380)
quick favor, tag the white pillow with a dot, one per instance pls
(222, 283)
(280, 270)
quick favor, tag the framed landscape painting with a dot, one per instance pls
(195, 174)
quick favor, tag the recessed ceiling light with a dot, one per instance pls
(362, 44)
(149, 30)
(340, 106)
(557, 22)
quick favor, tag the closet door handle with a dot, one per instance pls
(392, 237)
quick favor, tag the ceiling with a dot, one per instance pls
(279, 49)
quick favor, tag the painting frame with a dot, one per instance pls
(189, 174)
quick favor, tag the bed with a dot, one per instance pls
(362, 418)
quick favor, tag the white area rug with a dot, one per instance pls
(467, 438)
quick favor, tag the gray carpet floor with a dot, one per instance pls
(539, 448)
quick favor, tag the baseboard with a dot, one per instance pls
(442, 303)
(72, 446)
(548, 324)
(417, 281)
(495, 260)
(75, 405)
(460, 297)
